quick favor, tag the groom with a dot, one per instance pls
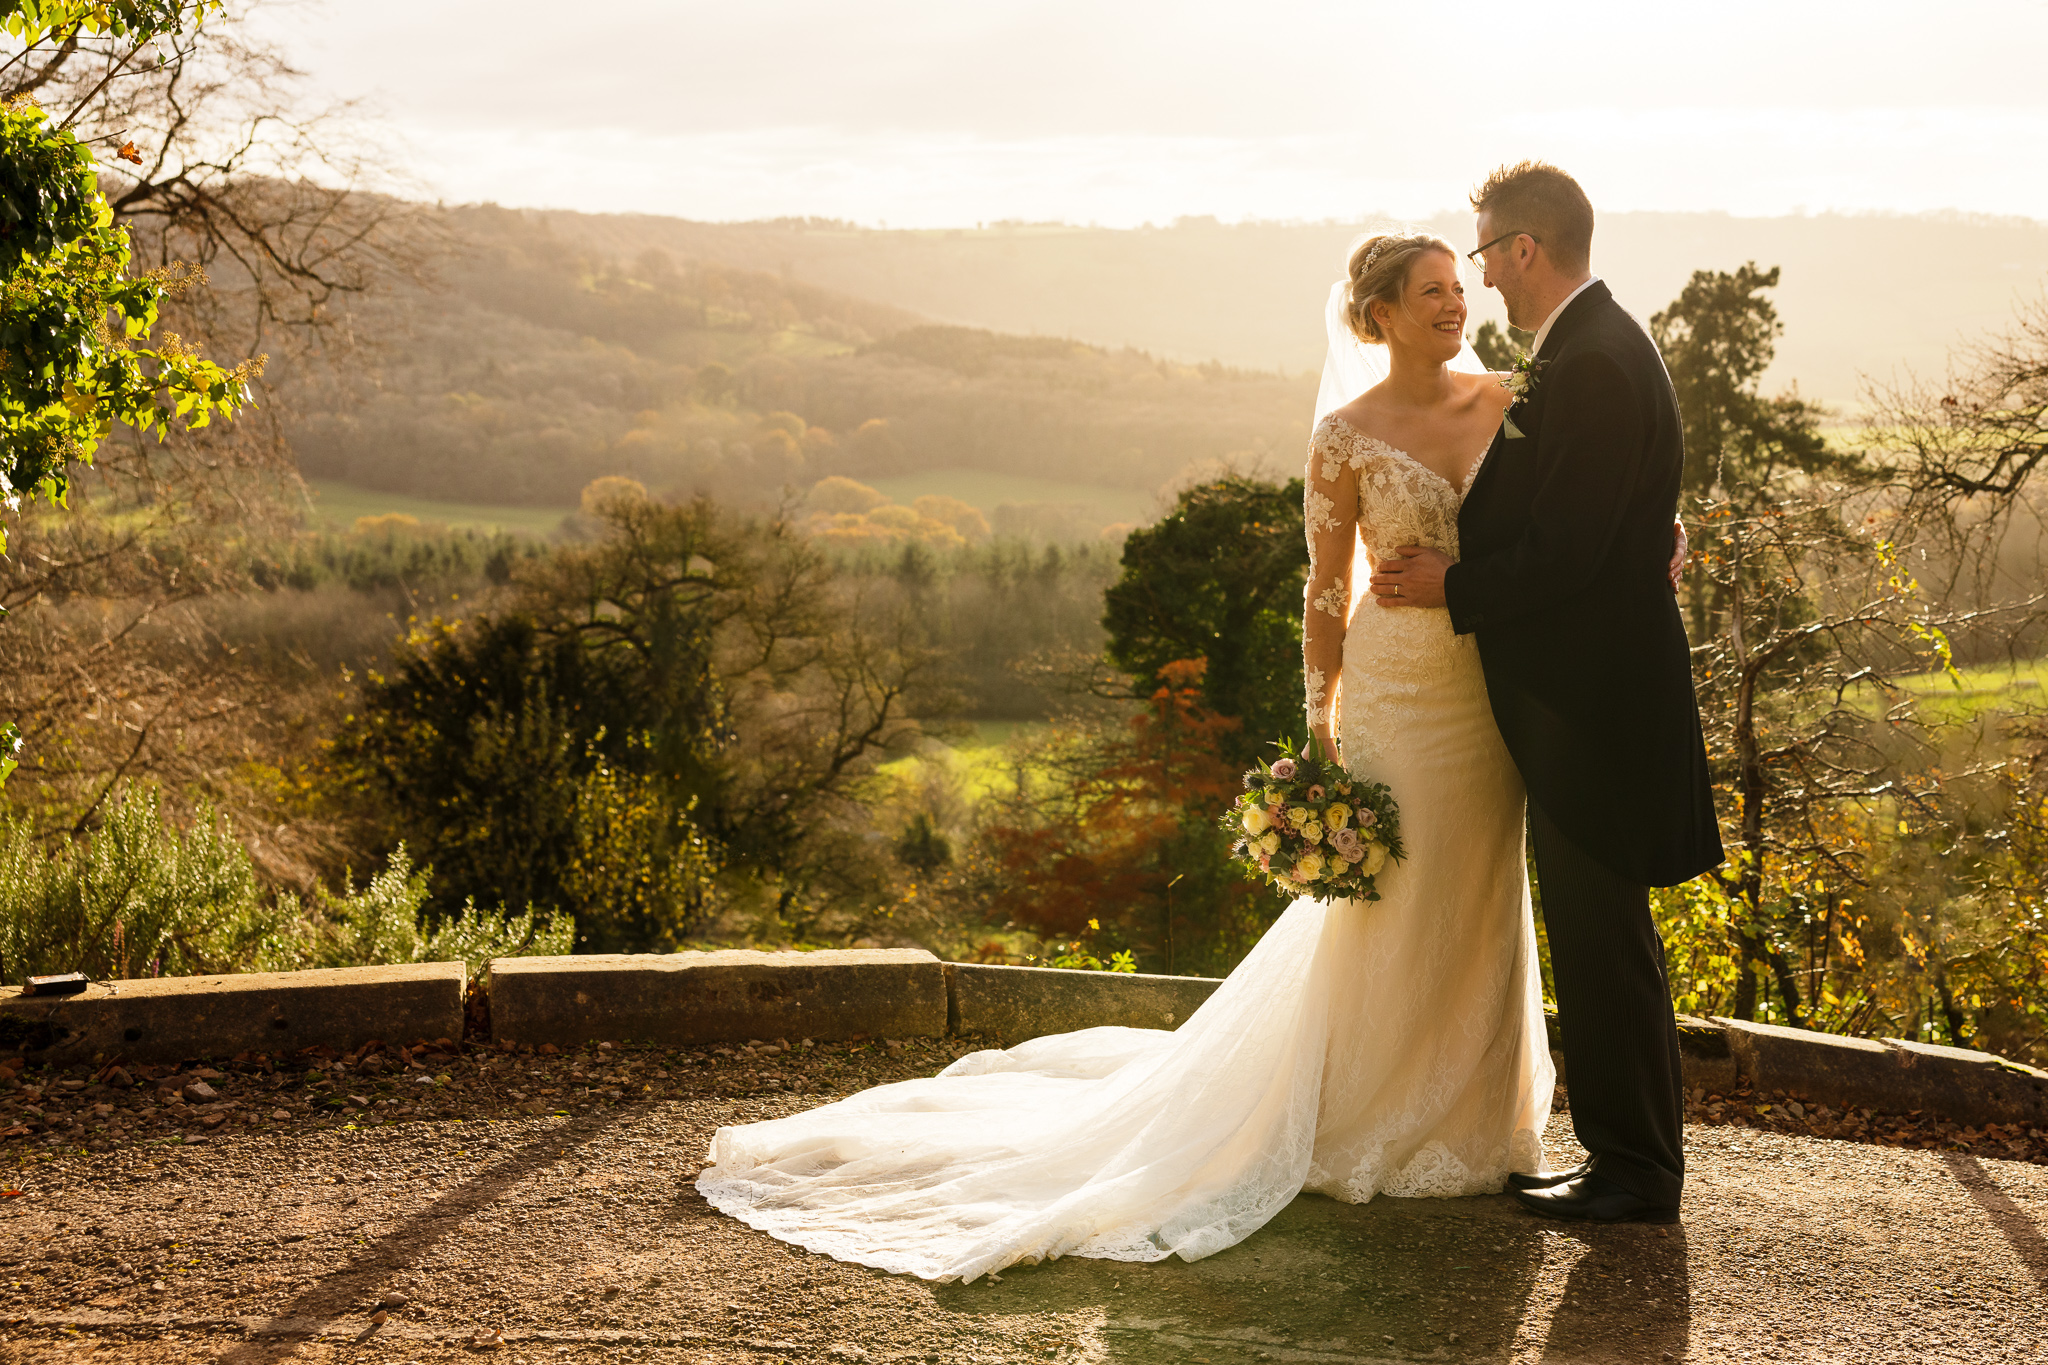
(1565, 539)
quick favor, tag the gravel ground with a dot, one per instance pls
(538, 1208)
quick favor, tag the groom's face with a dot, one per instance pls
(1503, 263)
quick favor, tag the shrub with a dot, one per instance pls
(386, 922)
(139, 897)
(135, 899)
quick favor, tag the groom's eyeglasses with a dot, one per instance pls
(1473, 256)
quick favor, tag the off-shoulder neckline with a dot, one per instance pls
(1460, 489)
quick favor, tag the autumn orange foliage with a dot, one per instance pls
(1121, 849)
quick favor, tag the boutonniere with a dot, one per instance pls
(1520, 382)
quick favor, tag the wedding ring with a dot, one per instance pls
(1397, 590)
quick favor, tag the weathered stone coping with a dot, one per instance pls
(1956, 1083)
(171, 1018)
(717, 997)
(692, 998)
(1016, 1003)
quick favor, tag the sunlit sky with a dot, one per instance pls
(951, 112)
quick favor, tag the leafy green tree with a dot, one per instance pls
(1220, 579)
(1807, 626)
(74, 322)
(1718, 337)
(481, 743)
(694, 681)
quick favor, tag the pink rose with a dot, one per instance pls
(1367, 818)
(1315, 793)
(1284, 769)
(1345, 841)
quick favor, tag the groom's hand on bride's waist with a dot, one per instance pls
(1415, 578)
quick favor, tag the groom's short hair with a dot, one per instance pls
(1537, 198)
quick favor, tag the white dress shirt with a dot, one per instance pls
(1536, 347)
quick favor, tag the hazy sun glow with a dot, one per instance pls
(924, 114)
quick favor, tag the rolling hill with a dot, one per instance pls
(748, 360)
(541, 362)
(1862, 294)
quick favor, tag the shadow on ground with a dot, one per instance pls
(1395, 1279)
(354, 1286)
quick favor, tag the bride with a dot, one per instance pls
(1390, 1048)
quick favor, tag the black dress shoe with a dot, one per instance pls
(1543, 1180)
(1592, 1198)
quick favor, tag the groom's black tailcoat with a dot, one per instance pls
(1563, 546)
(1564, 542)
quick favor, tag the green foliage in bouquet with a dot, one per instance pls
(1310, 828)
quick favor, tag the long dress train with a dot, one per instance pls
(1395, 1047)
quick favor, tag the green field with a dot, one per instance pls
(980, 755)
(1999, 687)
(987, 491)
(337, 505)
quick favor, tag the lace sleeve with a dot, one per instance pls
(1329, 518)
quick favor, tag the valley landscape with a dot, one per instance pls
(564, 346)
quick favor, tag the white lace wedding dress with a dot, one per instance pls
(1387, 1048)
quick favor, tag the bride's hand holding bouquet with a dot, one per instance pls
(1311, 828)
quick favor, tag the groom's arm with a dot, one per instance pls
(1593, 421)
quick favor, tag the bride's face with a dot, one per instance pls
(1431, 317)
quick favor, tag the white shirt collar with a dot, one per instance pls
(1543, 332)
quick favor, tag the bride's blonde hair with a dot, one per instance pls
(1379, 271)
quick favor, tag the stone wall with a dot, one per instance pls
(694, 998)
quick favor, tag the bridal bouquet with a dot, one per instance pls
(1310, 828)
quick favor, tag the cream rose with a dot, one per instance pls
(1313, 832)
(1337, 816)
(1256, 821)
(1308, 867)
(1375, 858)
(1270, 844)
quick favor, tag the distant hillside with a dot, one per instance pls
(746, 359)
(547, 359)
(1861, 294)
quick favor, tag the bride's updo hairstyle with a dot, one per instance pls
(1379, 272)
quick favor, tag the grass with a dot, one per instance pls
(980, 752)
(1985, 687)
(979, 488)
(339, 504)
